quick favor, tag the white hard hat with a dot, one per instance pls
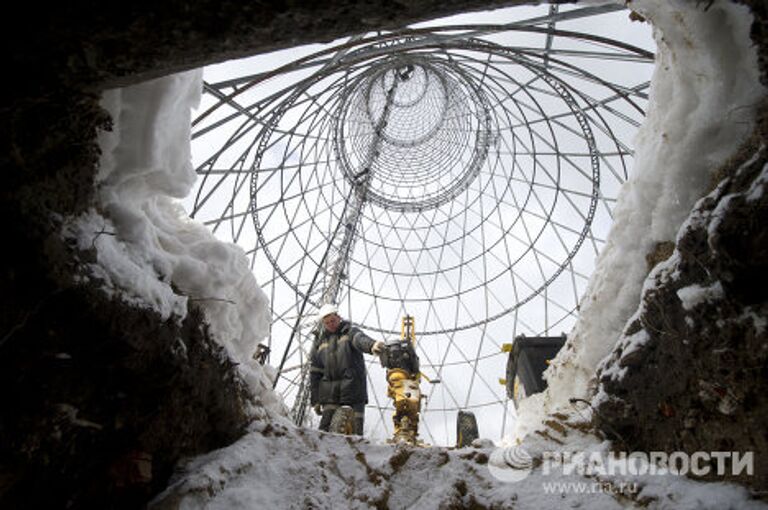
(326, 310)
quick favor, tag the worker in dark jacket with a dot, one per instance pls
(337, 373)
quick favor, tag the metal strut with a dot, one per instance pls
(338, 256)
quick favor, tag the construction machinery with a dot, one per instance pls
(403, 379)
(528, 358)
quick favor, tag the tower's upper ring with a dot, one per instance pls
(427, 146)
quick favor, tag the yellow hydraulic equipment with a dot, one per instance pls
(408, 329)
(405, 393)
(403, 378)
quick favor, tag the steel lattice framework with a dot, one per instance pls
(462, 174)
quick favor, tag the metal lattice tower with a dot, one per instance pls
(461, 174)
(335, 265)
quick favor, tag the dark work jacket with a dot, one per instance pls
(337, 371)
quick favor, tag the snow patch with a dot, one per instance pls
(124, 270)
(718, 214)
(757, 188)
(694, 295)
(634, 342)
(760, 322)
(529, 417)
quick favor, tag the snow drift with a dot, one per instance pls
(703, 91)
(149, 252)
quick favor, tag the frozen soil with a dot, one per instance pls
(699, 380)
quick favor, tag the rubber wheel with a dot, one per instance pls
(466, 429)
(343, 421)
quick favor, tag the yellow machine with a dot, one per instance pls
(403, 378)
(404, 391)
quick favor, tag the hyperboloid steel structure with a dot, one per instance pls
(461, 174)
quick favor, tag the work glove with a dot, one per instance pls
(377, 348)
(318, 409)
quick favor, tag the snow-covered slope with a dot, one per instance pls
(284, 467)
(149, 252)
(703, 93)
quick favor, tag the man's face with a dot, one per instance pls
(332, 322)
